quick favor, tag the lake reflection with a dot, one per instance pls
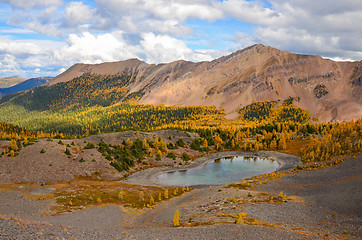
(221, 171)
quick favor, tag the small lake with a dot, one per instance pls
(219, 172)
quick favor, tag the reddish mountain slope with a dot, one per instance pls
(330, 90)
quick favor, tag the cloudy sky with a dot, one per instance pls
(45, 37)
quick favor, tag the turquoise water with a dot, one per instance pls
(221, 171)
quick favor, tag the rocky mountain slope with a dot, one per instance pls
(330, 90)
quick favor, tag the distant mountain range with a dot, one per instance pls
(25, 85)
(6, 82)
(331, 91)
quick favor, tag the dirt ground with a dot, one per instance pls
(325, 205)
(54, 165)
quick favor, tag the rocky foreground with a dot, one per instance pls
(325, 205)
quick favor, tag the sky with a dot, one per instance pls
(45, 37)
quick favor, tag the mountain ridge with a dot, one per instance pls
(330, 90)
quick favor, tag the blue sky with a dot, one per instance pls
(45, 37)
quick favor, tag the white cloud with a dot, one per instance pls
(16, 31)
(333, 26)
(77, 13)
(242, 40)
(19, 48)
(9, 63)
(330, 29)
(180, 10)
(159, 30)
(89, 48)
(164, 9)
(61, 70)
(47, 13)
(22, 57)
(18, 57)
(168, 27)
(339, 59)
(163, 48)
(32, 3)
(252, 12)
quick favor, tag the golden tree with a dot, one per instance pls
(218, 141)
(205, 144)
(176, 219)
(13, 145)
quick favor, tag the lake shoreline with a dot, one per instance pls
(148, 177)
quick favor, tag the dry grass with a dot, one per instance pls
(82, 193)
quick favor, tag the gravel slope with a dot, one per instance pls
(331, 209)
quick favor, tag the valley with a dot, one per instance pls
(81, 153)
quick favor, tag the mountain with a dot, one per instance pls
(331, 91)
(6, 82)
(25, 85)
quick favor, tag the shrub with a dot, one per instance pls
(180, 143)
(117, 166)
(171, 146)
(171, 155)
(195, 145)
(42, 151)
(185, 157)
(67, 152)
(89, 146)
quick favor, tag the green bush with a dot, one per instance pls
(67, 152)
(89, 146)
(171, 155)
(185, 157)
(180, 142)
